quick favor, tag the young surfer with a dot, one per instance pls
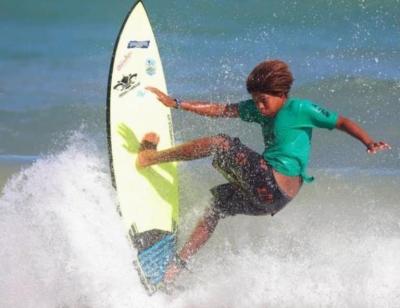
(259, 184)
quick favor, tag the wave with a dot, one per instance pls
(42, 130)
(65, 245)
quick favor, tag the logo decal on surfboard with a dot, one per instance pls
(151, 68)
(124, 60)
(138, 44)
(127, 84)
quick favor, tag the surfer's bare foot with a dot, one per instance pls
(172, 271)
(148, 147)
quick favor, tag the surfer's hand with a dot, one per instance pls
(375, 147)
(162, 97)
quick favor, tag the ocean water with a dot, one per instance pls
(336, 245)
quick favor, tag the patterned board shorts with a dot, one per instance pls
(252, 189)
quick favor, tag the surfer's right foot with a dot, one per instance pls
(147, 149)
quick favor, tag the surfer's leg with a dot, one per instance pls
(203, 231)
(191, 150)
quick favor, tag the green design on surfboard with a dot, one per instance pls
(165, 188)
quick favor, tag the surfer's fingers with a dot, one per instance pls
(151, 89)
(378, 146)
(161, 96)
(381, 145)
(384, 145)
(156, 91)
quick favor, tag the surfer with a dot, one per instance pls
(259, 184)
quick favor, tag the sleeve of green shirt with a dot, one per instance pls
(248, 111)
(319, 116)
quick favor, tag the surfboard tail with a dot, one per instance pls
(153, 260)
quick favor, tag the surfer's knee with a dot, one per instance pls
(223, 142)
(211, 218)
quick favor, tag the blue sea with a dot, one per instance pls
(336, 245)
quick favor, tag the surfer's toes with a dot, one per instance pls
(149, 142)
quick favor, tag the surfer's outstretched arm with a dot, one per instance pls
(201, 108)
(359, 133)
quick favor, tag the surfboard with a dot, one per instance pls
(148, 199)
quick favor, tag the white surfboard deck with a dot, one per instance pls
(148, 198)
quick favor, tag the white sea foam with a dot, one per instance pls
(64, 246)
(61, 238)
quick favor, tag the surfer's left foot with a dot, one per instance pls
(148, 147)
(172, 271)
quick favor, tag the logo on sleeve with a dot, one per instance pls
(323, 111)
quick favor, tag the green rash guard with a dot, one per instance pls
(287, 136)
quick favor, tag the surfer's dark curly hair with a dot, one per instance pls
(271, 77)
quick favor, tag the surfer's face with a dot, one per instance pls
(267, 104)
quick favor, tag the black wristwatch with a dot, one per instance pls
(178, 103)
